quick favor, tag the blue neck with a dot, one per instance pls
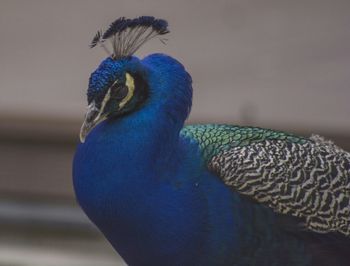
(127, 174)
(154, 128)
(137, 195)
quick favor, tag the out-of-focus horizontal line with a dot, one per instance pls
(39, 129)
(34, 256)
(44, 216)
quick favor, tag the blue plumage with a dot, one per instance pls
(147, 198)
(149, 190)
(108, 71)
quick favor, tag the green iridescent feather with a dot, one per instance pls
(214, 138)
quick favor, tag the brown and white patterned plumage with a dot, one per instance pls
(305, 178)
(310, 180)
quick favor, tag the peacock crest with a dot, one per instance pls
(126, 36)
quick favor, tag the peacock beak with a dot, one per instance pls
(92, 117)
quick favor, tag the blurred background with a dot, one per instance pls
(278, 64)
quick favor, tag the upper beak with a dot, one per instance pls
(92, 117)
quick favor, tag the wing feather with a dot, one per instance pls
(308, 180)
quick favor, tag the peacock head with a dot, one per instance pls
(118, 85)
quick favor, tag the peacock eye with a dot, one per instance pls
(119, 91)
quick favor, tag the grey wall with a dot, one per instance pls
(274, 63)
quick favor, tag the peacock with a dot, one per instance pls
(210, 194)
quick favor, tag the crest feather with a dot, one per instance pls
(128, 35)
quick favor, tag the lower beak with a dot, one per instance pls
(92, 118)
